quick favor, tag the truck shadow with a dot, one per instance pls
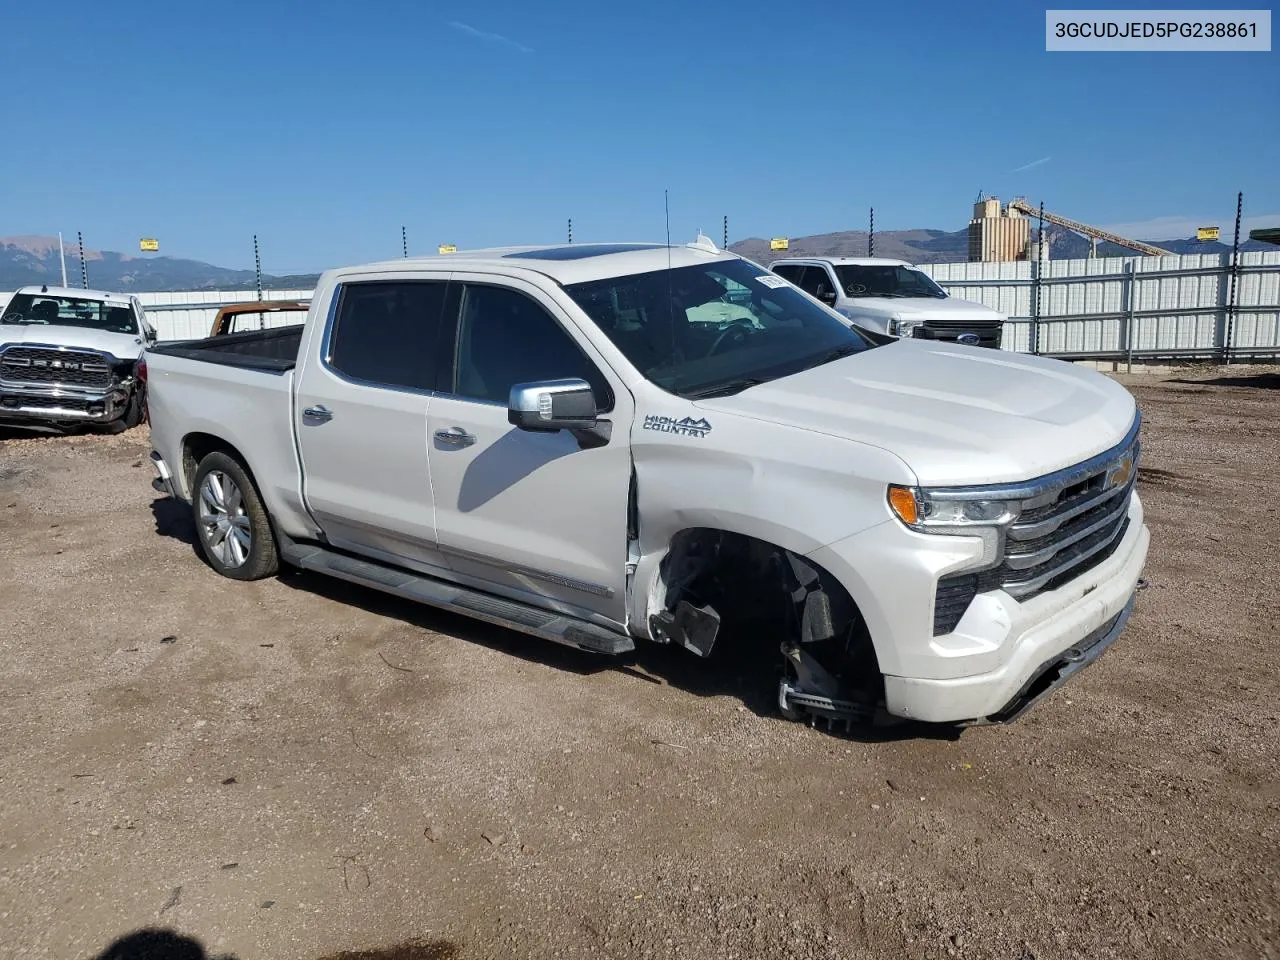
(173, 519)
(156, 944)
(1261, 381)
(743, 665)
(160, 944)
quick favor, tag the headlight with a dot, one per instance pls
(903, 328)
(935, 512)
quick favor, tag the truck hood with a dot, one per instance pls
(927, 308)
(123, 346)
(955, 415)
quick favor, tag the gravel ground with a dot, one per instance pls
(296, 768)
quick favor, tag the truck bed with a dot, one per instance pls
(274, 350)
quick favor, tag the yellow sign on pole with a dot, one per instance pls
(148, 245)
(1208, 233)
(779, 243)
(448, 248)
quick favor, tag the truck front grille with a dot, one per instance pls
(1069, 523)
(47, 365)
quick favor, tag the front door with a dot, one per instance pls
(361, 420)
(534, 516)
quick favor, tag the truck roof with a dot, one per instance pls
(849, 261)
(77, 292)
(564, 263)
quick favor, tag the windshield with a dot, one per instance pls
(42, 309)
(715, 329)
(889, 280)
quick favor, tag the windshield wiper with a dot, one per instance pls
(726, 389)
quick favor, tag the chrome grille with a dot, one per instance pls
(79, 368)
(1069, 523)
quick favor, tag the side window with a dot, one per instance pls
(505, 338)
(816, 282)
(788, 271)
(386, 332)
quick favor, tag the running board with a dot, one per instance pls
(548, 625)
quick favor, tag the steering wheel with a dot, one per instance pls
(738, 329)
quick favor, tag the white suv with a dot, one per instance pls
(894, 298)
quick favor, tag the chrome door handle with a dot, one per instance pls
(318, 414)
(455, 437)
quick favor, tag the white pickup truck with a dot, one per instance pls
(893, 297)
(565, 440)
(69, 356)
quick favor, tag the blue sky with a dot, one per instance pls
(324, 126)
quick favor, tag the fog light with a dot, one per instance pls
(96, 408)
(10, 401)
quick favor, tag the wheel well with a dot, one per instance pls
(751, 583)
(197, 446)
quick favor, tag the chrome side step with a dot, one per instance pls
(545, 624)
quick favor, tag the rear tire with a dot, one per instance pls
(231, 522)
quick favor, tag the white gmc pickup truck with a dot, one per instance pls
(605, 444)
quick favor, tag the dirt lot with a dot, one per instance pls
(299, 769)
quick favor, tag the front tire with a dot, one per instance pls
(133, 414)
(231, 522)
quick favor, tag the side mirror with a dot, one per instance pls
(552, 405)
(828, 297)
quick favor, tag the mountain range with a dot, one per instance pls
(30, 259)
(25, 260)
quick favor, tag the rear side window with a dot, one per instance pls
(387, 332)
(788, 271)
(505, 338)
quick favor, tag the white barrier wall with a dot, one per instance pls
(1152, 305)
(1159, 304)
(187, 315)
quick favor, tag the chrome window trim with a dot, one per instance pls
(1047, 484)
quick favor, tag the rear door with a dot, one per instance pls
(361, 419)
(533, 516)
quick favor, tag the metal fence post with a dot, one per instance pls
(257, 268)
(571, 229)
(726, 232)
(404, 242)
(871, 234)
(1131, 297)
(84, 270)
(1235, 273)
(1039, 269)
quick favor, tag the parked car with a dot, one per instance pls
(564, 441)
(69, 356)
(893, 297)
(257, 315)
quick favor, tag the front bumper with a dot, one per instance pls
(1004, 654)
(54, 404)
